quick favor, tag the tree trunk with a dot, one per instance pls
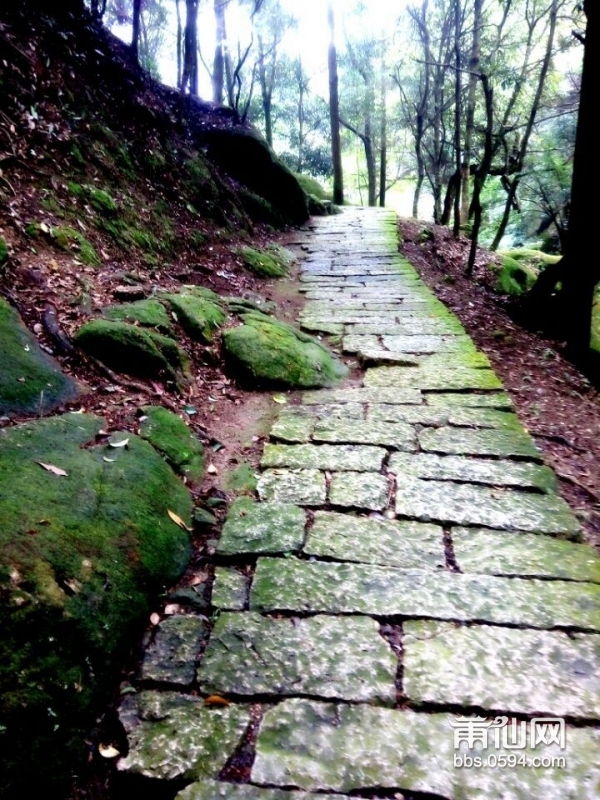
(482, 171)
(580, 280)
(218, 76)
(135, 35)
(470, 112)
(457, 116)
(334, 114)
(383, 137)
(371, 165)
(189, 78)
(514, 184)
(179, 44)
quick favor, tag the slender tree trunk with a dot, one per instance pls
(179, 45)
(334, 113)
(383, 137)
(189, 78)
(581, 278)
(514, 184)
(264, 91)
(371, 164)
(482, 171)
(470, 112)
(457, 116)
(135, 35)
(218, 76)
(301, 92)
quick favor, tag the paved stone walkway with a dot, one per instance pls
(410, 582)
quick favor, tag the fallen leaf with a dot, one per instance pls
(172, 608)
(108, 751)
(280, 398)
(216, 700)
(211, 469)
(121, 443)
(177, 520)
(154, 618)
(54, 470)
(109, 460)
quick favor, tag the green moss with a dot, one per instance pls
(51, 204)
(3, 250)
(81, 558)
(241, 480)
(169, 434)
(515, 277)
(197, 315)
(312, 186)
(71, 240)
(133, 350)
(30, 381)
(196, 239)
(316, 207)
(595, 342)
(150, 313)
(533, 258)
(264, 264)
(128, 236)
(266, 351)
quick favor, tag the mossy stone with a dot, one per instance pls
(265, 264)
(267, 352)
(83, 555)
(169, 434)
(30, 381)
(71, 240)
(515, 276)
(149, 313)
(133, 350)
(198, 316)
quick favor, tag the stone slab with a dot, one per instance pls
(501, 669)
(293, 585)
(364, 395)
(413, 415)
(492, 472)
(345, 537)
(463, 358)
(230, 589)
(174, 736)
(364, 490)
(262, 528)
(497, 400)
(358, 748)
(171, 656)
(398, 435)
(462, 504)
(427, 326)
(427, 343)
(374, 357)
(292, 428)
(359, 458)
(326, 657)
(484, 418)
(331, 328)
(497, 553)
(480, 442)
(212, 790)
(304, 487)
(432, 380)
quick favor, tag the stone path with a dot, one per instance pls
(409, 588)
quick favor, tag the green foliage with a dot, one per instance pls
(82, 556)
(3, 250)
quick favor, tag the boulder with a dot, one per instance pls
(87, 542)
(149, 313)
(198, 315)
(133, 350)
(30, 380)
(169, 434)
(266, 352)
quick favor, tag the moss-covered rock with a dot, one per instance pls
(312, 186)
(73, 241)
(83, 551)
(515, 277)
(133, 350)
(169, 434)
(267, 351)
(271, 263)
(243, 154)
(30, 381)
(149, 313)
(197, 315)
(317, 207)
